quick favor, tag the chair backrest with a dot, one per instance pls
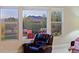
(48, 39)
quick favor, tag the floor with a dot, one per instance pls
(60, 46)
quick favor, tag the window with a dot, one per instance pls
(34, 21)
(9, 21)
(56, 21)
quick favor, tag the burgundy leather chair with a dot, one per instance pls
(46, 48)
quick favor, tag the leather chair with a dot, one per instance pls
(41, 44)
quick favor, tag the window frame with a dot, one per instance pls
(36, 8)
(9, 7)
(20, 16)
(61, 22)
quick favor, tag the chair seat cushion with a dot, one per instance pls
(40, 43)
(34, 48)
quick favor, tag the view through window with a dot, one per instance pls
(34, 21)
(56, 21)
(9, 20)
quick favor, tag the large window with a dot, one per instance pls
(24, 22)
(56, 21)
(9, 20)
(34, 21)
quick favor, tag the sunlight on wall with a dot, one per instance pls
(75, 10)
(72, 35)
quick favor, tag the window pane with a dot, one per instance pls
(34, 21)
(56, 21)
(9, 19)
(56, 16)
(56, 29)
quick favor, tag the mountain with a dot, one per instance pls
(36, 18)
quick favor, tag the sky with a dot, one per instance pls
(5, 13)
(34, 12)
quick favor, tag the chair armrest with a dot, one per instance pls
(47, 46)
(46, 49)
(26, 44)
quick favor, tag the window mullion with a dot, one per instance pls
(49, 21)
(20, 24)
